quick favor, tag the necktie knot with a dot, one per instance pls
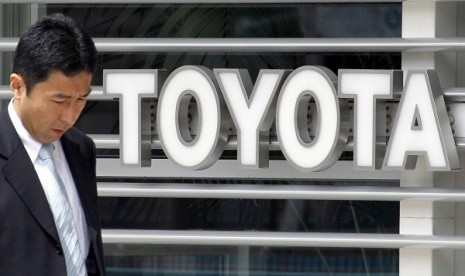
(46, 152)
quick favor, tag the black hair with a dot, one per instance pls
(54, 43)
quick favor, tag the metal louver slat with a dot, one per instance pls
(242, 45)
(237, 238)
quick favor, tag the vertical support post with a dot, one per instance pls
(426, 218)
(428, 20)
(431, 20)
(459, 177)
(460, 216)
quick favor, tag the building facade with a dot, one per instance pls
(245, 204)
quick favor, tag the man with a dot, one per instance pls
(52, 71)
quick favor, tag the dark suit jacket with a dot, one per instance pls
(29, 243)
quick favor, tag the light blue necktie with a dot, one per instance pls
(62, 214)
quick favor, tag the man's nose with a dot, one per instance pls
(70, 114)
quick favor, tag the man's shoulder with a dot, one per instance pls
(78, 137)
(5, 118)
(9, 139)
(77, 134)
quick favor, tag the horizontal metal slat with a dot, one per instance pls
(278, 44)
(96, 94)
(228, 169)
(206, 1)
(286, 239)
(451, 94)
(293, 192)
(251, 45)
(111, 141)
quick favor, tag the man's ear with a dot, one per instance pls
(17, 85)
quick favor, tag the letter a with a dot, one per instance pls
(422, 127)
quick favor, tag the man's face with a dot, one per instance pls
(52, 106)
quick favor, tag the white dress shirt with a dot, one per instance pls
(32, 148)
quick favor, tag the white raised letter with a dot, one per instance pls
(322, 151)
(365, 87)
(252, 112)
(133, 87)
(182, 85)
(421, 126)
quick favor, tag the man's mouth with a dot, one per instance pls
(58, 131)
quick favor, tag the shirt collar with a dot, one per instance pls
(31, 145)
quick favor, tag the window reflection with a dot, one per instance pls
(244, 20)
(252, 261)
(250, 214)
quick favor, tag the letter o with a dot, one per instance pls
(201, 152)
(325, 148)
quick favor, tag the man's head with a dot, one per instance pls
(52, 72)
(54, 43)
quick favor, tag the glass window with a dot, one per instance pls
(258, 261)
(233, 21)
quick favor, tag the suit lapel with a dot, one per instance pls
(19, 172)
(81, 164)
(79, 167)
